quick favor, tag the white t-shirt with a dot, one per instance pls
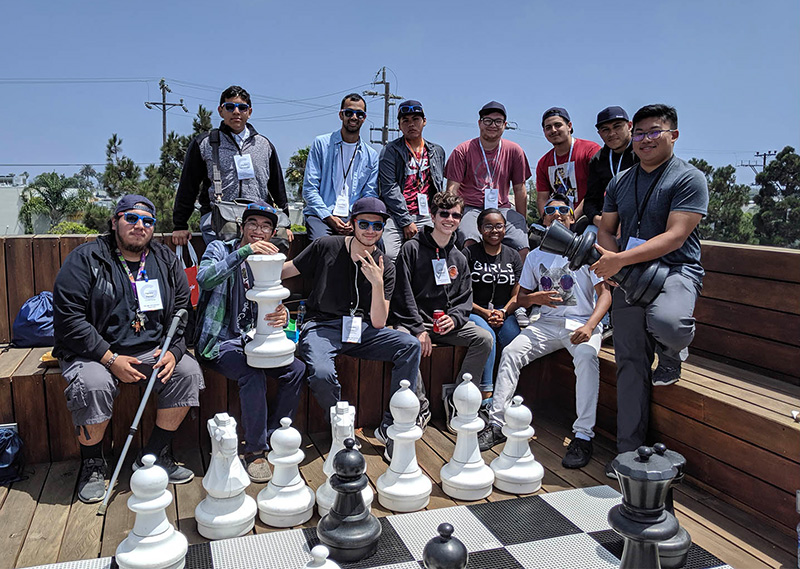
(343, 160)
(546, 271)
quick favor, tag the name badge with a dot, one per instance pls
(351, 329)
(149, 295)
(440, 272)
(342, 207)
(634, 242)
(244, 167)
(422, 203)
(490, 198)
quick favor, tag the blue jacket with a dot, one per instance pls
(319, 190)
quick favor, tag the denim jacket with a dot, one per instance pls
(319, 189)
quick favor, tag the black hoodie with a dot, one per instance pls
(416, 294)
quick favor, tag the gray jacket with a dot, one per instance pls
(392, 173)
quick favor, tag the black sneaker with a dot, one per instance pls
(92, 480)
(490, 436)
(381, 433)
(667, 374)
(424, 417)
(610, 472)
(579, 452)
(177, 474)
(450, 412)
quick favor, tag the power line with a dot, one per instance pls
(387, 96)
(164, 105)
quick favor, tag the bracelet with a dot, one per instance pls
(503, 310)
(110, 361)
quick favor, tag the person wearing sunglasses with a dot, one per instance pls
(341, 169)
(657, 207)
(483, 170)
(248, 165)
(432, 275)
(226, 321)
(569, 318)
(113, 302)
(410, 173)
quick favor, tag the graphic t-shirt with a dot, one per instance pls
(508, 166)
(493, 276)
(565, 175)
(417, 179)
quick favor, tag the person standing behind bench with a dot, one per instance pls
(113, 301)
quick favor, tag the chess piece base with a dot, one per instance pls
(674, 552)
(226, 518)
(286, 507)
(268, 361)
(404, 493)
(339, 536)
(467, 483)
(521, 477)
(166, 550)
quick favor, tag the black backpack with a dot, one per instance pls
(12, 462)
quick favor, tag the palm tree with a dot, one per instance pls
(54, 196)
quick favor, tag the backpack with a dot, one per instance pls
(33, 326)
(12, 462)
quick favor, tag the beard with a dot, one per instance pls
(131, 247)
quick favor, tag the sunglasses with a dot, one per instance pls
(256, 207)
(350, 112)
(133, 219)
(562, 209)
(446, 214)
(363, 225)
(410, 109)
(230, 107)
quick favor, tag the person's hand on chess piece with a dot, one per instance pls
(278, 318)
(263, 247)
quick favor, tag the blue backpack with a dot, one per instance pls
(33, 326)
(11, 460)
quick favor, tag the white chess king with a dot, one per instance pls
(515, 470)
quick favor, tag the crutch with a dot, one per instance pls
(178, 322)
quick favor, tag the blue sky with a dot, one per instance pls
(732, 69)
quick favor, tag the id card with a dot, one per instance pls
(149, 295)
(440, 272)
(342, 207)
(422, 203)
(490, 198)
(244, 167)
(351, 329)
(634, 242)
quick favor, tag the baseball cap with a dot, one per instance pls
(369, 205)
(558, 198)
(556, 112)
(263, 209)
(410, 107)
(492, 107)
(135, 201)
(611, 114)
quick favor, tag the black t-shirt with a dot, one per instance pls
(493, 276)
(327, 264)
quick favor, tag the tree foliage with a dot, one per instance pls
(53, 196)
(296, 171)
(122, 174)
(726, 220)
(71, 227)
(777, 221)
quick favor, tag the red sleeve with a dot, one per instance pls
(522, 170)
(542, 181)
(456, 165)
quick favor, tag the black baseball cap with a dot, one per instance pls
(556, 112)
(263, 209)
(369, 205)
(492, 107)
(410, 107)
(135, 201)
(611, 114)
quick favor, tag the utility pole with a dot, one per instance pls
(764, 156)
(164, 105)
(388, 96)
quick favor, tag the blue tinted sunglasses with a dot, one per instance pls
(256, 207)
(562, 209)
(230, 107)
(133, 219)
(411, 109)
(363, 225)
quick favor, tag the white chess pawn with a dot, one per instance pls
(466, 476)
(227, 511)
(286, 501)
(404, 487)
(343, 420)
(270, 347)
(515, 470)
(153, 543)
(319, 559)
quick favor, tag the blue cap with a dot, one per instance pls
(410, 107)
(369, 205)
(135, 201)
(263, 209)
(611, 114)
(492, 107)
(556, 112)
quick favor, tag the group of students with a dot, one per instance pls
(398, 261)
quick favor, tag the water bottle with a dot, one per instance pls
(301, 316)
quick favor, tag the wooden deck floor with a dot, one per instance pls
(41, 520)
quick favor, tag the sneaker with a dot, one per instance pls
(490, 436)
(666, 374)
(381, 433)
(450, 412)
(522, 317)
(579, 452)
(177, 474)
(92, 481)
(257, 467)
(610, 472)
(424, 417)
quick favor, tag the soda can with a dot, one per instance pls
(437, 314)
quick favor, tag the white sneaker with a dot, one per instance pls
(522, 317)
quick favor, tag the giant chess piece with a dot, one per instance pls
(153, 543)
(286, 501)
(319, 559)
(343, 420)
(349, 530)
(644, 478)
(466, 476)
(515, 470)
(404, 487)
(445, 551)
(270, 347)
(641, 283)
(227, 511)
(673, 552)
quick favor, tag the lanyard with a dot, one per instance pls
(341, 158)
(353, 308)
(567, 163)
(486, 162)
(640, 210)
(611, 162)
(139, 274)
(417, 164)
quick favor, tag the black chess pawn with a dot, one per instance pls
(349, 531)
(445, 551)
(673, 552)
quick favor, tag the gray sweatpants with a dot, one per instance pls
(666, 323)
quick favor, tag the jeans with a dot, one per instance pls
(500, 336)
(393, 236)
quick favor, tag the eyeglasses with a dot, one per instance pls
(562, 209)
(257, 207)
(350, 112)
(496, 227)
(230, 107)
(364, 225)
(133, 219)
(652, 135)
(263, 227)
(445, 214)
(489, 122)
(410, 109)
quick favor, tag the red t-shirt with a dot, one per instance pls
(417, 179)
(466, 166)
(570, 177)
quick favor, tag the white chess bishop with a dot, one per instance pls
(515, 470)
(319, 559)
(404, 487)
(466, 476)
(227, 511)
(153, 543)
(270, 347)
(343, 421)
(286, 501)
